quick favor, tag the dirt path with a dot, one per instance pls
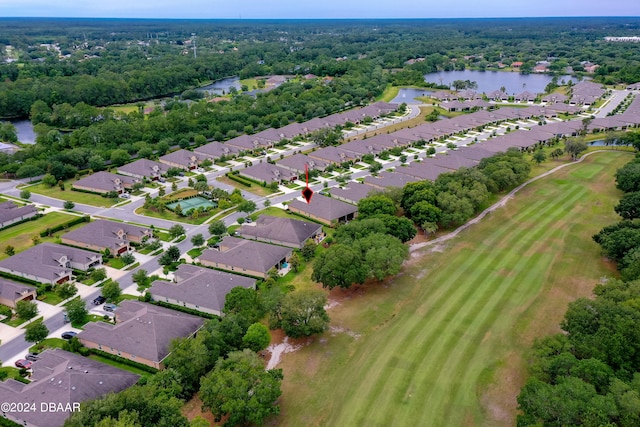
(501, 203)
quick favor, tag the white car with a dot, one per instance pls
(200, 170)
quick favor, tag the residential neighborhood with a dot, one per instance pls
(151, 245)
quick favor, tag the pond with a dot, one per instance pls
(408, 95)
(25, 132)
(488, 81)
(221, 87)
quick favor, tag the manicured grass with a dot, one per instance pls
(270, 211)
(170, 216)
(47, 343)
(255, 187)
(443, 344)
(123, 366)
(19, 236)
(74, 196)
(389, 93)
(50, 297)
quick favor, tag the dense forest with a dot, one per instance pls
(103, 62)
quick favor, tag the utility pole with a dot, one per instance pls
(195, 54)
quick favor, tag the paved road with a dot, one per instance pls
(17, 347)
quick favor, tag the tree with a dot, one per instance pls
(423, 211)
(119, 157)
(99, 274)
(294, 262)
(127, 258)
(171, 255)
(25, 194)
(111, 291)
(26, 309)
(10, 250)
(398, 226)
(629, 206)
(376, 205)
(201, 186)
(325, 137)
(174, 186)
(240, 389)
(197, 240)
(176, 230)
(628, 177)
(217, 228)
(35, 332)
(308, 250)
(77, 310)
(141, 279)
(247, 206)
(190, 359)
(539, 156)
(66, 290)
(257, 337)
(49, 180)
(303, 313)
(340, 265)
(573, 147)
(68, 205)
(245, 303)
(382, 255)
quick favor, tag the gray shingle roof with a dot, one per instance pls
(200, 286)
(247, 254)
(286, 230)
(144, 330)
(389, 179)
(353, 192)
(297, 163)
(184, 158)
(144, 167)
(324, 207)
(11, 290)
(106, 233)
(10, 211)
(43, 260)
(105, 181)
(216, 150)
(269, 173)
(62, 377)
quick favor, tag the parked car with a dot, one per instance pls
(22, 363)
(125, 195)
(201, 170)
(248, 220)
(110, 307)
(32, 356)
(161, 179)
(68, 335)
(99, 300)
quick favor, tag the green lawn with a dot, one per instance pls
(74, 196)
(443, 344)
(271, 211)
(170, 216)
(124, 366)
(19, 236)
(48, 343)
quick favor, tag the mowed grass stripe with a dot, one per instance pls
(479, 355)
(446, 298)
(470, 320)
(326, 378)
(433, 297)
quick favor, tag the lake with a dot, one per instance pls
(408, 95)
(25, 132)
(221, 86)
(488, 81)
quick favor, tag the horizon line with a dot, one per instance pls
(327, 19)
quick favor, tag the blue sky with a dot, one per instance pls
(211, 9)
